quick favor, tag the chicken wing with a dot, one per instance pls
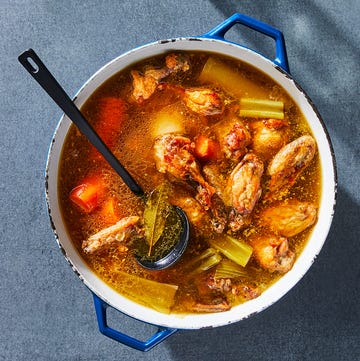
(244, 184)
(203, 101)
(235, 142)
(145, 83)
(116, 233)
(289, 218)
(174, 155)
(289, 162)
(244, 189)
(269, 136)
(273, 253)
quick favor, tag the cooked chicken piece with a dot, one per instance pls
(116, 233)
(177, 62)
(244, 190)
(174, 155)
(238, 221)
(215, 177)
(289, 162)
(273, 253)
(203, 101)
(218, 305)
(290, 218)
(193, 209)
(269, 136)
(145, 84)
(236, 141)
(208, 298)
(219, 214)
(217, 211)
(244, 184)
(226, 285)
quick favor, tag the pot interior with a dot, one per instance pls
(303, 262)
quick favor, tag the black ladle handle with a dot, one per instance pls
(42, 75)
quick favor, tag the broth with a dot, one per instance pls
(197, 106)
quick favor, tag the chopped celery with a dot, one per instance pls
(208, 263)
(234, 249)
(159, 296)
(233, 81)
(229, 269)
(261, 114)
(206, 260)
(261, 108)
(250, 103)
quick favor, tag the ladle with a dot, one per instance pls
(32, 63)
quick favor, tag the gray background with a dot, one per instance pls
(46, 313)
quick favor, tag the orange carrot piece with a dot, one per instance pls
(88, 194)
(110, 118)
(206, 148)
(107, 211)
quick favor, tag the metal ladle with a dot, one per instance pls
(32, 63)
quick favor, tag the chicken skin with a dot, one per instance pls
(289, 162)
(244, 183)
(203, 101)
(116, 233)
(145, 83)
(244, 189)
(269, 136)
(174, 155)
(235, 142)
(273, 253)
(289, 218)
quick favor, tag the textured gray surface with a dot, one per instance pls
(46, 313)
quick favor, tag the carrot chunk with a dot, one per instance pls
(88, 194)
(206, 148)
(108, 212)
(109, 120)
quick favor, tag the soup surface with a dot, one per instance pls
(214, 136)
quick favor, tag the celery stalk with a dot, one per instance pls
(233, 81)
(229, 269)
(156, 295)
(234, 249)
(261, 108)
(208, 263)
(206, 260)
(250, 103)
(261, 114)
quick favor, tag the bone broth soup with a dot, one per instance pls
(217, 138)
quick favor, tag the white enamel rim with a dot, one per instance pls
(304, 261)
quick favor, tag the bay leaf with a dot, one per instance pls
(155, 214)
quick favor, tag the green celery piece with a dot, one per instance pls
(234, 249)
(229, 269)
(156, 295)
(261, 108)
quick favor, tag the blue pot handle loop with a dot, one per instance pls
(219, 32)
(159, 336)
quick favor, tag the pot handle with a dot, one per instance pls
(159, 336)
(219, 32)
